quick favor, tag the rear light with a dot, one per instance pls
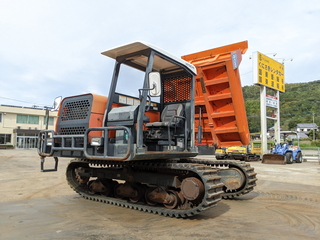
(97, 141)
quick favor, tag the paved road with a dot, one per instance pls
(34, 205)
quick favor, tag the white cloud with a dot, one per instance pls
(51, 48)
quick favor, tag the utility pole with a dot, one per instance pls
(314, 132)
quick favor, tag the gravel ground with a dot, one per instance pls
(33, 205)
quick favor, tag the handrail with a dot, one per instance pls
(106, 143)
(43, 136)
(42, 143)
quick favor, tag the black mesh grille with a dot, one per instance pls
(75, 110)
(177, 89)
(75, 115)
(72, 131)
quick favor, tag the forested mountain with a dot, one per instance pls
(297, 105)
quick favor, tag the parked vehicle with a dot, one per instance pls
(242, 153)
(256, 147)
(136, 152)
(284, 153)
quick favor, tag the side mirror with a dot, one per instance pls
(56, 103)
(155, 84)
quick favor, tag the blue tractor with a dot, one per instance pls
(284, 153)
(288, 153)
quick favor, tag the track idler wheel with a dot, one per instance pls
(81, 179)
(170, 199)
(96, 186)
(174, 200)
(192, 189)
(141, 192)
(149, 196)
(129, 190)
(232, 178)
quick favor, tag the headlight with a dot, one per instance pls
(49, 141)
(97, 141)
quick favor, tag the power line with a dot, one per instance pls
(245, 73)
(21, 101)
(289, 114)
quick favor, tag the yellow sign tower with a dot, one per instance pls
(268, 72)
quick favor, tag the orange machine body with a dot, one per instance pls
(97, 110)
(220, 108)
(87, 111)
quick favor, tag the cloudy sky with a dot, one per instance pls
(53, 48)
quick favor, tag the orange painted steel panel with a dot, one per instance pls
(219, 96)
(97, 110)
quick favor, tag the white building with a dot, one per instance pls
(306, 127)
(19, 126)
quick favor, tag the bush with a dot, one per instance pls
(6, 146)
(303, 144)
(315, 143)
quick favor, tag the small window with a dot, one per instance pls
(22, 118)
(33, 119)
(0, 117)
(51, 120)
(27, 119)
(5, 138)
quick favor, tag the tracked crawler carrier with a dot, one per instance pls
(138, 152)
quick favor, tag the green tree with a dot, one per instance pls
(292, 124)
(296, 105)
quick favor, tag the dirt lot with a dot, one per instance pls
(34, 205)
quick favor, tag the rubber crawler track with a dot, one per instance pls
(247, 170)
(208, 175)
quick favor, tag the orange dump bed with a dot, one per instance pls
(220, 109)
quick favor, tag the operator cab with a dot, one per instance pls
(162, 117)
(157, 123)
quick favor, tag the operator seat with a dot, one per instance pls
(171, 115)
